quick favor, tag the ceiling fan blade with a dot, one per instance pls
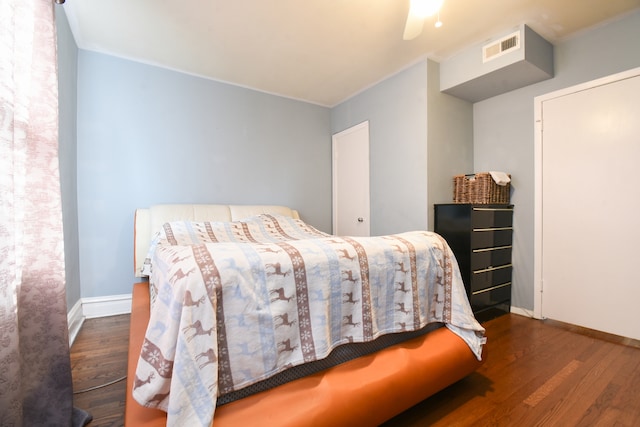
(413, 27)
(418, 11)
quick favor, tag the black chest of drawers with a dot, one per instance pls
(480, 236)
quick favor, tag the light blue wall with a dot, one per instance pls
(504, 128)
(419, 139)
(147, 135)
(396, 110)
(67, 147)
(449, 140)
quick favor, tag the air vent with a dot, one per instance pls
(500, 47)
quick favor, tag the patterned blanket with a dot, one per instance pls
(241, 301)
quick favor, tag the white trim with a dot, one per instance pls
(89, 308)
(106, 306)
(537, 209)
(522, 312)
(75, 319)
(538, 220)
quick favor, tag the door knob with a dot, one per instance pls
(360, 219)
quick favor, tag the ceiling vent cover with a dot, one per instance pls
(500, 47)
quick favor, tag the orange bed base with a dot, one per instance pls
(365, 391)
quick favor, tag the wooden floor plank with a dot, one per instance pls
(99, 356)
(536, 373)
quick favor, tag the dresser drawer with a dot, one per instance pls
(490, 277)
(492, 296)
(491, 237)
(489, 257)
(486, 217)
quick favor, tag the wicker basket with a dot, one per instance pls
(479, 188)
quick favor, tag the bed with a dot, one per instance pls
(253, 317)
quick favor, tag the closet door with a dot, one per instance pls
(350, 164)
(590, 207)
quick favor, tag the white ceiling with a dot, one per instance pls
(320, 51)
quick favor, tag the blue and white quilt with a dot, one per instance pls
(237, 302)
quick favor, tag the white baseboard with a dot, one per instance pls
(112, 305)
(75, 319)
(522, 312)
(89, 308)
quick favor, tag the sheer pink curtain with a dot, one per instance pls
(35, 371)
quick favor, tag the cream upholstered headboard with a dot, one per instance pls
(148, 221)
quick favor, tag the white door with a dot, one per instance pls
(351, 181)
(590, 207)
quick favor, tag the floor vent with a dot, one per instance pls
(500, 47)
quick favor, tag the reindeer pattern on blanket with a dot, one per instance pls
(239, 302)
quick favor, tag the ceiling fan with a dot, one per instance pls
(418, 11)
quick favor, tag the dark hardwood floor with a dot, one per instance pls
(99, 356)
(537, 373)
